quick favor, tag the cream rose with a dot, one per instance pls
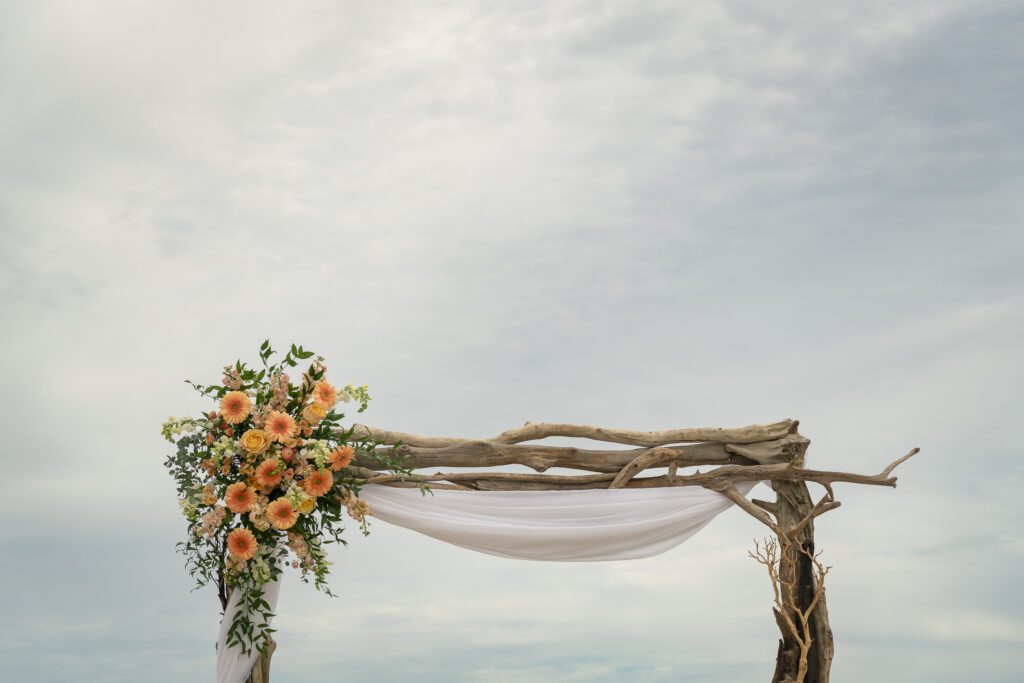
(255, 440)
(314, 412)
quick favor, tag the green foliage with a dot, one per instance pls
(210, 456)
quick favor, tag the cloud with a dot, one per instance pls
(645, 216)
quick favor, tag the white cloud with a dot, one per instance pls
(644, 216)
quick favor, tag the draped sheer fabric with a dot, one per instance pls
(232, 665)
(562, 526)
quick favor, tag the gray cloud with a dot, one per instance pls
(639, 216)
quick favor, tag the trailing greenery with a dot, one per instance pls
(264, 481)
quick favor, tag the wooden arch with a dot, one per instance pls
(774, 453)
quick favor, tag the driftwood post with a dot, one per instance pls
(261, 667)
(793, 504)
(260, 672)
(770, 452)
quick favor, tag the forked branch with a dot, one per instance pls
(795, 618)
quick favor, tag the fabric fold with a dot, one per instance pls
(552, 526)
(232, 665)
(566, 526)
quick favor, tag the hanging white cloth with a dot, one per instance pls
(566, 526)
(232, 665)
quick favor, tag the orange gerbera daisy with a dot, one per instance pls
(341, 457)
(265, 475)
(242, 544)
(235, 406)
(280, 426)
(281, 514)
(325, 393)
(318, 483)
(239, 497)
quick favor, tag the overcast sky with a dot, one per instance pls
(641, 215)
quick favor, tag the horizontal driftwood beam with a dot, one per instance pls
(468, 453)
(533, 432)
(717, 479)
(750, 434)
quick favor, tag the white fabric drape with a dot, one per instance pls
(232, 665)
(566, 526)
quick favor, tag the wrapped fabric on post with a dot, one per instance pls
(232, 665)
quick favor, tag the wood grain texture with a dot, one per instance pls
(773, 452)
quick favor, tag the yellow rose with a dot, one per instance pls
(255, 440)
(307, 505)
(314, 412)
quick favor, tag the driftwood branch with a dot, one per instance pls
(822, 506)
(794, 619)
(534, 432)
(482, 453)
(773, 453)
(737, 435)
(716, 479)
(656, 457)
(757, 513)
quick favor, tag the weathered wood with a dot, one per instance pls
(533, 432)
(261, 667)
(750, 434)
(796, 568)
(717, 479)
(760, 515)
(656, 457)
(774, 453)
(541, 458)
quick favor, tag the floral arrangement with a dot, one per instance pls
(263, 480)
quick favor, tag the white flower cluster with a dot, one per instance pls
(189, 509)
(176, 426)
(360, 395)
(259, 567)
(224, 447)
(299, 499)
(317, 451)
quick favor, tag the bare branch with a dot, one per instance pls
(787, 609)
(656, 457)
(541, 458)
(736, 435)
(757, 513)
(896, 463)
(821, 507)
(766, 505)
(715, 479)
